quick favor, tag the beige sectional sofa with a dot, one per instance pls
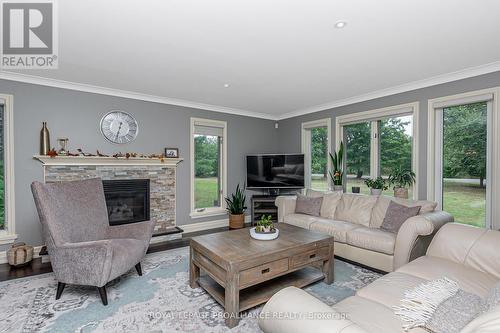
(354, 220)
(468, 255)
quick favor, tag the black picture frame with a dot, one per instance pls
(172, 152)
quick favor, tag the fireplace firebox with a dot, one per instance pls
(127, 200)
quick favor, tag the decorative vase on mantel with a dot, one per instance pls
(44, 139)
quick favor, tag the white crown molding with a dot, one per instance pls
(440, 79)
(4, 75)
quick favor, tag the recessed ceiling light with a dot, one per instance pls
(226, 85)
(340, 24)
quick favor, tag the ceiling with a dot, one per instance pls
(280, 58)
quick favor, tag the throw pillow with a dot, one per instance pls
(396, 215)
(308, 205)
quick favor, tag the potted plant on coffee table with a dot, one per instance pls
(337, 173)
(401, 179)
(376, 185)
(264, 229)
(236, 208)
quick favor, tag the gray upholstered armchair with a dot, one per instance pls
(83, 248)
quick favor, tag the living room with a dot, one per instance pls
(250, 166)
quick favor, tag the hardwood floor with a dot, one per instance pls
(37, 267)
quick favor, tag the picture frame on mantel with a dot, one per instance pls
(172, 152)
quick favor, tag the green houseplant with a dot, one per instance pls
(401, 179)
(376, 185)
(236, 208)
(337, 172)
(265, 225)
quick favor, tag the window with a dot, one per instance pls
(378, 142)
(7, 226)
(358, 154)
(462, 156)
(316, 147)
(208, 167)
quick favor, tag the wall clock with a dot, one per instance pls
(119, 127)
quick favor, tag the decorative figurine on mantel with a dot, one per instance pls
(44, 139)
(63, 142)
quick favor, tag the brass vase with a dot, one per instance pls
(44, 139)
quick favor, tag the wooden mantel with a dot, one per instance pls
(97, 160)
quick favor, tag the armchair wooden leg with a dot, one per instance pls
(60, 288)
(103, 294)
(138, 269)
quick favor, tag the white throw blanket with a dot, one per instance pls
(420, 303)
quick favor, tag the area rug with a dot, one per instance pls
(159, 301)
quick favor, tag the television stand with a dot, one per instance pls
(263, 205)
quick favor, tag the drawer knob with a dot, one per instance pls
(264, 271)
(312, 256)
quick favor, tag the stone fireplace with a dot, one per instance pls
(120, 176)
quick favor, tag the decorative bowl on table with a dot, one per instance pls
(264, 235)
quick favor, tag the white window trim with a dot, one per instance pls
(493, 168)
(214, 211)
(387, 112)
(8, 235)
(306, 146)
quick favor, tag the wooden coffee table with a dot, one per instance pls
(242, 272)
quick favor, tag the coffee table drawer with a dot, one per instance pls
(263, 272)
(309, 257)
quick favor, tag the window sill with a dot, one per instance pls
(6, 238)
(208, 213)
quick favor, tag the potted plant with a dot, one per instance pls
(236, 208)
(376, 185)
(337, 173)
(401, 179)
(265, 225)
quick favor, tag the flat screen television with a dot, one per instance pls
(275, 171)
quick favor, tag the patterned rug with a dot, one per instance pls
(159, 301)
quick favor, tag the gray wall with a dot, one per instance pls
(76, 115)
(290, 129)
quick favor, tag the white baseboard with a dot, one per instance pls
(200, 226)
(36, 254)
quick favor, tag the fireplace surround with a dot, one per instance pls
(160, 173)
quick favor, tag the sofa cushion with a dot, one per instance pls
(380, 208)
(372, 239)
(338, 229)
(355, 208)
(396, 215)
(372, 316)
(470, 280)
(389, 289)
(308, 205)
(329, 204)
(300, 220)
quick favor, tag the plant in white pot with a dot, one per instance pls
(236, 208)
(401, 179)
(337, 164)
(376, 185)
